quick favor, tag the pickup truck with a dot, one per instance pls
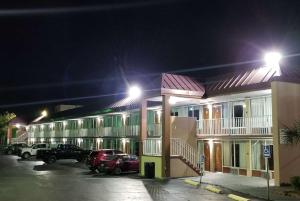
(27, 152)
(62, 151)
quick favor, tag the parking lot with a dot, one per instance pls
(31, 180)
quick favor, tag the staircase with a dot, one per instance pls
(185, 152)
(22, 137)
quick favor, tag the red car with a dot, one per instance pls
(95, 158)
(120, 163)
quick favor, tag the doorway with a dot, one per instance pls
(218, 157)
(216, 115)
(207, 156)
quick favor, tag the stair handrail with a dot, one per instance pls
(183, 149)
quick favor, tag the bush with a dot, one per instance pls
(295, 181)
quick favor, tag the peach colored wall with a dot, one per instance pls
(184, 128)
(180, 169)
(286, 110)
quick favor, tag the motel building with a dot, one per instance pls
(227, 118)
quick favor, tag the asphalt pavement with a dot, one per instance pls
(68, 180)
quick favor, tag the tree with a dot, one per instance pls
(5, 118)
(292, 135)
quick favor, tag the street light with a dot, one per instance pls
(272, 60)
(44, 113)
(134, 92)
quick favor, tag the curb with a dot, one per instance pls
(213, 189)
(191, 182)
(237, 198)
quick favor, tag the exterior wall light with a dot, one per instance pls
(172, 100)
(64, 140)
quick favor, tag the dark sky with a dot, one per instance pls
(58, 52)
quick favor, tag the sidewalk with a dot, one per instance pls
(254, 186)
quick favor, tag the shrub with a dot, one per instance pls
(295, 181)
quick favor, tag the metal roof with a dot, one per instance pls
(253, 79)
(181, 85)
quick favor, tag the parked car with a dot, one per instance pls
(27, 152)
(96, 157)
(62, 151)
(120, 163)
(14, 148)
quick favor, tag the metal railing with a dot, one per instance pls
(124, 131)
(183, 149)
(21, 138)
(178, 147)
(152, 147)
(154, 130)
(235, 126)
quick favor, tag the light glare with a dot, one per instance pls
(272, 59)
(134, 92)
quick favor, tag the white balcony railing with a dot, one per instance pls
(154, 130)
(152, 147)
(181, 148)
(236, 126)
(178, 147)
(124, 131)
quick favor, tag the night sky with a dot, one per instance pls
(67, 53)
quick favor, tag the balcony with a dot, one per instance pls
(124, 131)
(152, 147)
(154, 130)
(235, 126)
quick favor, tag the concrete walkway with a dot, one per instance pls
(254, 186)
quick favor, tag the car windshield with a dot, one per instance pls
(94, 153)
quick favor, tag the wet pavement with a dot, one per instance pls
(68, 180)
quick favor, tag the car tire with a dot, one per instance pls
(93, 169)
(26, 155)
(117, 171)
(9, 152)
(51, 159)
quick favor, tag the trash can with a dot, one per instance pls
(149, 170)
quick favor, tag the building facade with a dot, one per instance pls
(227, 120)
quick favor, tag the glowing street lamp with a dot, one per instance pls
(272, 60)
(44, 113)
(134, 92)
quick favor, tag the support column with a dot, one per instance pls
(143, 126)
(166, 130)
(9, 134)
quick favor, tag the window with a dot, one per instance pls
(258, 160)
(238, 114)
(235, 156)
(109, 152)
(238, 111)
(41, 146)
(194, 111)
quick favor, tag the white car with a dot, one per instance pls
(32, 151)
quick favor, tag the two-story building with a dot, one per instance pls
(226, 118)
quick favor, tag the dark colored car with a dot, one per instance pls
(120, 163)
(14, 148)
(96, 157)
(62, 151)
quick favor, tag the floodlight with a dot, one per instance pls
(134, 92)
